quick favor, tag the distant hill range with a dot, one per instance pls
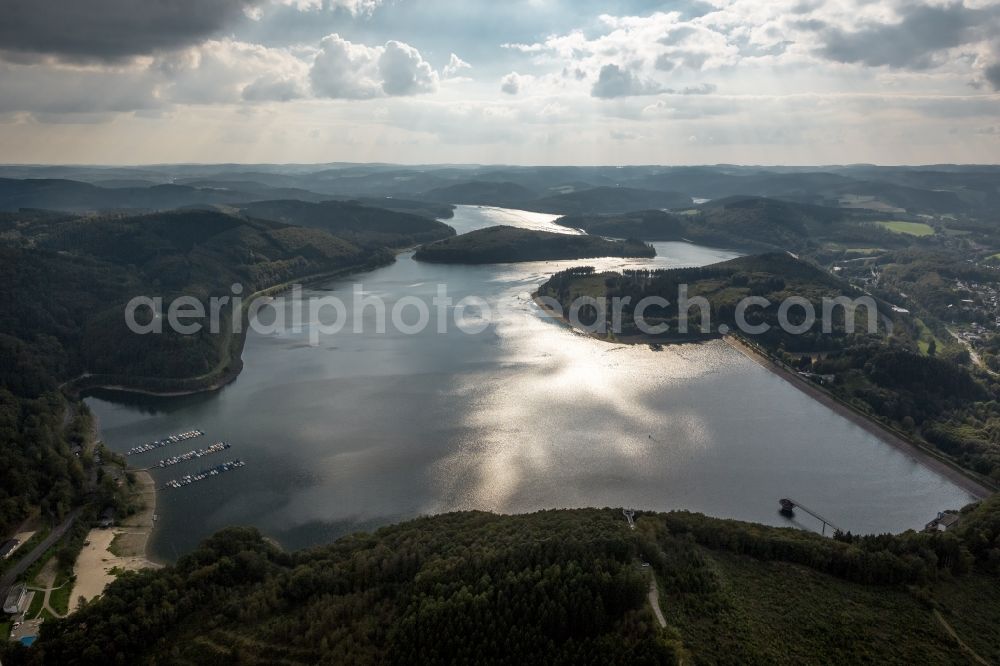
(596, 200)
(751, 223)
(935, 189)
(139, 195)
(504, 244)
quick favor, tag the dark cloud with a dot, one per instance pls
(992, 75)
(614, 81)
(912, 42)
(87, 30)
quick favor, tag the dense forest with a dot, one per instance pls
(773, 276)
(362, 225)
(503, 244)
(552, 587)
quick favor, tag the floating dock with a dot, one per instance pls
(188, 479)
(218, 447)
(166, 441)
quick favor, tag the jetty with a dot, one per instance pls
(788, 507)
(166, 441)
(218, 447)
(209, 473)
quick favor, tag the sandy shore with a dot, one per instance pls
(94, 566)
(920, 454)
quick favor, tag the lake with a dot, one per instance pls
(372, 428)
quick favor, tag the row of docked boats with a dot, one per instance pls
(189, 479)
(218, 447)
(166, 441)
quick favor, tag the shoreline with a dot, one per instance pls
(920, 454)
(234, 355)
(109, 552)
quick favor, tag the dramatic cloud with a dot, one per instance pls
(344, 70)
(913, 41)
(992, 75)
(511, 84)
(790, 80)
(613, 81)
(75, 30)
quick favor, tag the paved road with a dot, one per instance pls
(25, 562)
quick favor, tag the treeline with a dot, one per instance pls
(551, 587)
(555, 587)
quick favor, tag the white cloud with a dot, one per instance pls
(511, 83)
(404, 71)
(355, 7)
(454, 67)
(344, 70)
(614, 81)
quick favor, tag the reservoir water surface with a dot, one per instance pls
(367, 429)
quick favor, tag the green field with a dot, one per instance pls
(909, 228)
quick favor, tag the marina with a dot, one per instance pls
(166, 441)
(191, 455)
(188, 479)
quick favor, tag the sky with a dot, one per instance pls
(490, 82)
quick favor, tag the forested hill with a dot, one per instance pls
(752, 223)
(502, 244)
(362, 225)
(64, 283)
(556, 587)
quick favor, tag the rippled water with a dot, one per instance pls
(367, 429)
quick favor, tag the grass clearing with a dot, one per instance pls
(35, 607)
(909, 228)
(59, 598)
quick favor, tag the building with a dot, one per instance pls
(944, 522)
(8, 547)
(15, 602)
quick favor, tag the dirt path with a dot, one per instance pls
(654, 600)
(965, 648)
(973, 354)
(47, 591)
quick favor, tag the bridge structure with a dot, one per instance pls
(788, 507)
